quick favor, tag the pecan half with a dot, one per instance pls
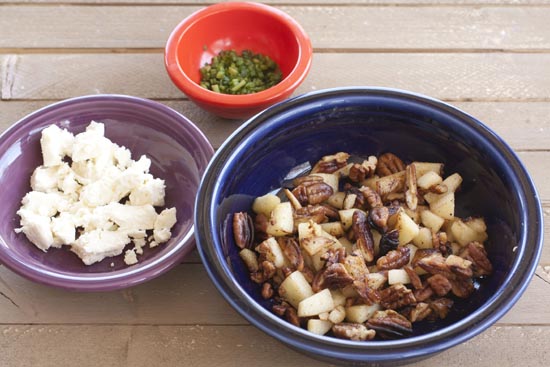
(292, 316)
(434, 264)
(268, 269)
(416, 282)
(373, 198)
(267, 291)
(367, 294)
(394, 259)
(478, 256)
(411, 193)
(389, 324)
(396, 296)
(417, 312)
(314, 193)
(331, 163)
(306, 180)
(440, 284)
(363, 235)
(291, 249)
(462, 288)
(336, 276)
(441, 307)
(352, 331)
(243, 230)
(389, 163)
(460, 267)
(358, 172)
(422, 294)
(378, 218)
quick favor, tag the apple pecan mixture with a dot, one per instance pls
(360, 250)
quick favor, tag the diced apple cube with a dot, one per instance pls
(396, 276)
(346, 217)
(333, 228)
(265, 204)
(424, 167)
(295, 288)
(319, 327)
(444, 206)
(428, 180)
(432, 221)
(407, 228)
(337, 200)
(281, 221)
(338, 297)
(424, 238)
(316, 304)
(464, 234)
(272, 251)
(361, 313)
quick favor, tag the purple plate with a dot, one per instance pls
(179, 154)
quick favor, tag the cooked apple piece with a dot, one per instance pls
(349, 201)
(313, 245)
(281, 221)
(250, 260)
(428, 180)
(346, 216)
(338, 297)
(424, 167)
(337, 200)
(430, 220)
(376, 280)
(319, 327)
(295, 288)
(396, 276)
(316, 304)
(272, 251)
(361, 313)
(412, 252)
(464, 234)
(476, 223)
(452, 183)
(424, 238)
(349, 292)
(392, 183)
(407, 228)
(346, 244)
(330, 179)
(333, 228)
(444, 206)
(376, 237)
(317, 259)
(414, 214)
(265, 204)
(337, 315)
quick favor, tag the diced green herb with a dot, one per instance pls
(247, 73)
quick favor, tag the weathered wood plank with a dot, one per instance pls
(137, 346)
(485, 28)
(456, 77)
(297, 2)
(525, 126)
(183, 296)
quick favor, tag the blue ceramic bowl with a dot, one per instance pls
(365, 121)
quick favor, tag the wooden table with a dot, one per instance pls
(488, 57)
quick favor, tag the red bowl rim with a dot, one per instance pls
(270, 95)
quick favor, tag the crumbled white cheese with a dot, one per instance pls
(130, 257)
(164, 222)
(104, 196)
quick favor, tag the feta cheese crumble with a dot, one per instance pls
(98, 203)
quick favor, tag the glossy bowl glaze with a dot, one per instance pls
(237, 26)
(179, 153)
(366, 121)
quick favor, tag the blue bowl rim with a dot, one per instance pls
(127, 277)
(374, 351)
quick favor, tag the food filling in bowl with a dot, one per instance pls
(363, 248)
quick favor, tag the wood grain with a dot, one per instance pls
(183, 296)
(515, 3)
(455, 77)
(367, 28)
(523, 125)
(144, 346)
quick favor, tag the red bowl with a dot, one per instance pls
(237, 26)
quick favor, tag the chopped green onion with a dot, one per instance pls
(247, 73)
